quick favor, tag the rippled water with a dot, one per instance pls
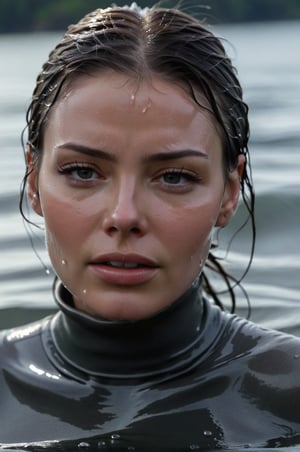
(267, 57)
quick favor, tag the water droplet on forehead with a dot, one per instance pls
(84, 291)
(132, 99)
(63, 262)
(146, 108)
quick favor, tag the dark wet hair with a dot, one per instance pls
(171, 44)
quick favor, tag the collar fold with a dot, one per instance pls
(164, 343)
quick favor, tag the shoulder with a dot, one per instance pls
(263, 351)
(16, 343)
(262, 336)
(21, 332)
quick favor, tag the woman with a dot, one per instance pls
(136, 155)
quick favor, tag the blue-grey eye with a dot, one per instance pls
(173, 177)
(84, 173)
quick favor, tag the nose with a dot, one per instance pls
(124, 215)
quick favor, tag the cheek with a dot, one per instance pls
(188, 231)
(63, 225)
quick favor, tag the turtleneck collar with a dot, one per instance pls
(128, 349)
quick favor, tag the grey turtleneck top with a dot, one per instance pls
(190, 377)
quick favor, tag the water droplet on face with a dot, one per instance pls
(84, 291)
(146, 108)
(132, 99)
(83, 445)
(63, 262)
(207, 433)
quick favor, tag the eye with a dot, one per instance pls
(79, 172)
(179, 177)
(83, 173)
(172, 177)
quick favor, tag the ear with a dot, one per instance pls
(32, 182)
(231, 193)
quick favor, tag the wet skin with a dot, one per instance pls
(131, 173)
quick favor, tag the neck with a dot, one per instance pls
(125, 349)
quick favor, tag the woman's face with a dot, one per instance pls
(130, 186)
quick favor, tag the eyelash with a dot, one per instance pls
(191, 178)
(72, 167)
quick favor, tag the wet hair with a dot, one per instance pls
(144, 42)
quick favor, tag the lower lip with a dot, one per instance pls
(124, 276)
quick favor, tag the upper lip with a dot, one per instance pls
(124, 258)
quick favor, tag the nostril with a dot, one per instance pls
(135, 230)
(131, 230)
(112, 229)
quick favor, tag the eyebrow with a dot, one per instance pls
(81, 149)
(159, 156)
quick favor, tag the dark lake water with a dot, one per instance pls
(268, 59)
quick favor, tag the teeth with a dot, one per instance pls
(130, 265)
(123, 264)
(115, 264)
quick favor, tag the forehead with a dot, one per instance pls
(114, 90)
(117, 107)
